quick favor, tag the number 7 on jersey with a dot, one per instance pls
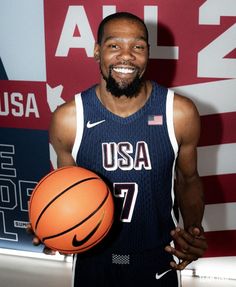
(129, 192)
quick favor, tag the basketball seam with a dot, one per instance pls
(61, 193)
(81, 222)
(45, 178)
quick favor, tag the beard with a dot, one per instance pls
(123, 88)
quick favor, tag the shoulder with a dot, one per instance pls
(186, 118)
(184, 107)
(65, 113)
(63, 123)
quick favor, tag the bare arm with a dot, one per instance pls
(189, 188)
(189, 191)
(62, 133)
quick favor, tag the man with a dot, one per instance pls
(138, 136)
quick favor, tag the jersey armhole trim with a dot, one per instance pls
(174, 143)
(79, 125)
(170, 120)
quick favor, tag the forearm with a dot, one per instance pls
(191, 201)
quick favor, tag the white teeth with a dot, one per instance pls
(124, 70)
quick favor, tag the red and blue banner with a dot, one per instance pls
(46, 56)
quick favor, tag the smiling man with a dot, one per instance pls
(123, 56)
(138, 136)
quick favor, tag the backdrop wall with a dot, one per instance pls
(47, 56)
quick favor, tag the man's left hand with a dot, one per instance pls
(190, 245)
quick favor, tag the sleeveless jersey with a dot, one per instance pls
(136, 157)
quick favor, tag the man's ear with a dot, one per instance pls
(97, 52)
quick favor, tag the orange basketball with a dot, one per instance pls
(71, 209)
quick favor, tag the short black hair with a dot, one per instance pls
(119, 15)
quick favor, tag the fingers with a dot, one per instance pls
(188, 243)
(182, 255)
(189, 246)
(36, 241)
(29, 229)
(182, 265)
(184, 259)
(49, 251)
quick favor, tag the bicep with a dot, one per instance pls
(187, 125)
(189, 189)
(61, 135)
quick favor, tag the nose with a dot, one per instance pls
(126, 55)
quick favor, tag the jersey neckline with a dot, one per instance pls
(114, 117)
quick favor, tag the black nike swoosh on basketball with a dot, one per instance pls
(77, 243)
(81, 222)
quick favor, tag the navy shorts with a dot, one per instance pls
(148, 268)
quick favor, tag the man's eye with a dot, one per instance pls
(113, 46)
(138, 47)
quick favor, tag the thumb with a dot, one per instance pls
(195, 231)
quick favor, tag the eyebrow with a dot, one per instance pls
(123, 39)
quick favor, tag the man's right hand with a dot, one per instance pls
(36, 241)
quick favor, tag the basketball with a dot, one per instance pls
(71, 209)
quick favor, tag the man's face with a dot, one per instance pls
(123, 56)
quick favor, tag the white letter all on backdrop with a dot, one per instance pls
(75, 17)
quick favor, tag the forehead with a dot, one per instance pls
(124, 29)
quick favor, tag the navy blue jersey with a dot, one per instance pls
(136, 156)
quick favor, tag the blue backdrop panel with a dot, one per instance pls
(24, 160)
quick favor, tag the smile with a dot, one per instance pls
(123, 70)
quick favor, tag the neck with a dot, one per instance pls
(123, 106)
